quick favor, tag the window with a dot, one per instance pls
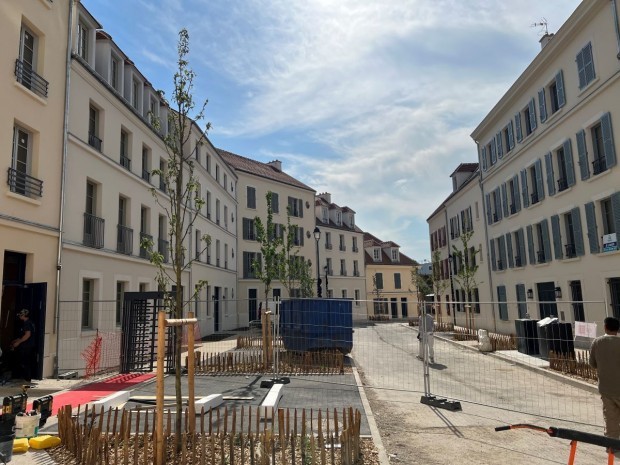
(208, 202)
(507, 136)
(608, 217)
(378, 281)
(249, 258)
(217, 172)
(356, 293)
(249, 229)
(225, 216)
(492, 152)
(162, 242)
(572, 234)
(198, 244)
(342, 247)
(529, 115)
(82, 41)
(93, 128)
(539, 244)
(343, 268)
(521, 302)
(585, 66)
(20, 181)
(124, 233)
(555, 90)
(512, 195)
(339, 218)
(251, 197)
(217, 211)
(532, 184)
(208, 163)
(88, 291)
(197, 151)
(217, 253)
(153, 114)
(120, 297)
(376, 254)
(501, 299)
(356, 270)
(163, 168)
(494, 206)
(498, 253)
(516, 248)
(146, 163)
(295, 207)
(145, 217)
(466, 220)
(208, 248)
(125, 155)
(328, 240)
(135, 93)
(602, 145)
(344, 293)
(577, 301)
(93, 226)
(225, 180)
(397, 284)
(328, 265)
(324, 214)
(560, 161)
(114, 73)
(225, 256)
(26, 64)
(354, 248)
(298, 237)
(395, 255)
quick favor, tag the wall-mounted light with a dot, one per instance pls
(558, 292)
(530, 294)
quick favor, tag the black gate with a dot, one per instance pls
(546, 300)
(139, 333)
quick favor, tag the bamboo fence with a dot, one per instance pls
(577, 365)
(300, 437)
(255, 342)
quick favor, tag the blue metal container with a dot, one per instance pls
(315, 324)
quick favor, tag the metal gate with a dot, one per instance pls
(139, 333)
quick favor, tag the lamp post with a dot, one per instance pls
(326, 269)
(317, 237)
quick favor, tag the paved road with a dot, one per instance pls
(500, 393)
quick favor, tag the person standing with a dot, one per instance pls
(605, 357)
(24, 346)
(425, 336)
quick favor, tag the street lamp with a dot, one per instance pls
(317, 237)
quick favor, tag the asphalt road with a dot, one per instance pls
(493, 392)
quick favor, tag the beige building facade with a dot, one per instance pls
(341, 254)
(550, 180)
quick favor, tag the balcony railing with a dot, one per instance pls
(562, 184)
(534, 197)
(541, 256)
(355, 249)
(495, 219)
(124, 239)
(328, 246)
(93, 231)
(343, 247)
(94, 141)
(518, 261)
(126, 162)
(144, 253)
(24, 184)
(162, 248)
(513, 209)
(500, 265)
(343, 272)
(599, 165)
(29, 79)
(356, 273)
(162, 185)
(570, 250)
(146, 175)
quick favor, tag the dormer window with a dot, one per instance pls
(114, 74)
(82, 40)
(394, 255)
(135, 88)
(325, 217)
(339, 218)
(376, 254)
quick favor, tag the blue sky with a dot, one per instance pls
(371, 100)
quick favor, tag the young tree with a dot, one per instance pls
(269, 268)
(379, 303)
(466, 273)
(294, 270)
(423, 282)
(439, 285)
(182, 204)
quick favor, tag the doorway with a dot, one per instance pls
(403, 306)
(546, 300)
(614, 290)
(394, 307)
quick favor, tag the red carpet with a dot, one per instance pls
(97, 390)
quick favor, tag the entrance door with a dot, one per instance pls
(546, 300)
(252, 305)
(614, 289)
(216, 307)
(403, 307)
(394, 307)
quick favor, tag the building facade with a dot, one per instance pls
(390, 292)
(341, 254)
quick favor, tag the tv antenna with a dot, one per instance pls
(542, 24)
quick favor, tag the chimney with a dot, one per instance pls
(544, 40)
(326, 196)
(276, 164)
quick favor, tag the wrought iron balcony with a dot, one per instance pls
(355, 249)
(343, 272)
(541, 256)
(94, 141)
(518, 261)
(570, 250)
(599, 165)
(562, 184)
(162, 248)
(534, 197)
(343, 247)
(24, 184)
(356, 273)
(124, 239)
(126, 162)
(93, 231)
(146, 175)
(29, 79)
(328, 246)
(144, 253)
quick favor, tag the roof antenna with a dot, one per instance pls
(542, 24)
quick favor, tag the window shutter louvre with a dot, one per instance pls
(550, 175)
(511, 135)
(301, 207)
(245, 228)
(557, 239)
(498, 141)
(502, 251)
(583, 155)
(516, 194)
(608, 142)
(532, 107)
(511, 262)
(301, 234)
(492, 249)
(542, 105)
(483, 157)
(526, 197)
(501, 298)
(518, 127)
(530, 245)
(559, 85)
(592, 229)
(576, 216)
(522, 247)
(498, 203)
(493, 151)
(522, 305)
(505, 200)
(570, 167)
(581, 70)
(588, 63)
(539, 180)
(615, 209)
(546, 242)
(489, 217)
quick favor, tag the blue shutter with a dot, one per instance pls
(542, 105)
(526, 198)
(559, 85)
(532, 107)
(608, 141)
(498, 204)
(505, 200)
(498, 141)
(483, 157)
(511, 262)
(570, 167)
(544, 224)
(489, 216)
(516, 194)
(581, 70)
(550, 176)
(246, 228)
(530, 245)
(615, 209)
(583, 155)
(577, 232)
(493, 151)
(557, 239)
(522, 304)
(301, 207)
(518, 126)
(511, 136)
(492, 249)
(522, 247)
(502, 251)
(539, 180)
(501, 299)
(588, 63)
(592, 229)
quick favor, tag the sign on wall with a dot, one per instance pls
(610, 242)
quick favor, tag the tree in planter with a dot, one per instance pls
(466, 273)
(182, 204)
(379, 303)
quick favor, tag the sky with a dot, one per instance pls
(370, 100)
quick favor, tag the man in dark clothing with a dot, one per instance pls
(24, 346)
(605, 357)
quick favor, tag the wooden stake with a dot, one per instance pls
(159, 409)
(190, 375)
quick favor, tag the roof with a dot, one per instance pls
(465, 168)
(372, 241)
(474, 175)
(260, 169)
